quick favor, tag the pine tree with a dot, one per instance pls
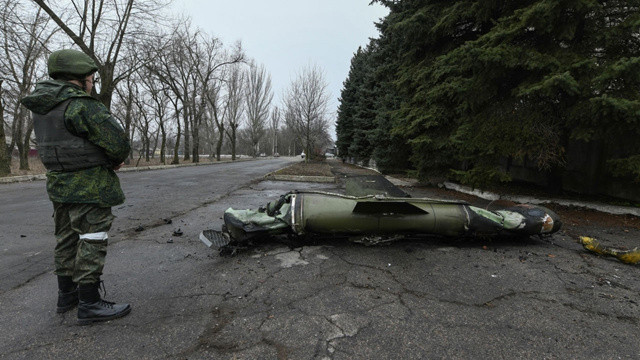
(361, 146)
(472, 84)
(548, 72)
(349, 96)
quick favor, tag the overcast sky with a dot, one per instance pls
(287, 35)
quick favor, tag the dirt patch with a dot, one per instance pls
(576, 216)
(156, 161)
(312, 168)
(526, 189)
(340, 168)
(36, 167)
(571, 216)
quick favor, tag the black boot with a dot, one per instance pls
(92, 308)
(67, 294)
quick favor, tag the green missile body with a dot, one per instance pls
(328, 214)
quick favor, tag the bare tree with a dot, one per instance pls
(289, 142)
(101, 29)
(258, 97)
(176, 113)
(211, 60)
(175, 70)
(216, 114)
(306, 108)
(169, 67)
(198, 57)
(23, 50)
(160, 100)
(124, 109)
(233, 106)
(192, 69)
(143, 121)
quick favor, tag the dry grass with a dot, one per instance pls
(340, 167)
(312, 168)
(36, 167)
(156, 161)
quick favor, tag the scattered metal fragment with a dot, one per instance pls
(177, 232)
(139, 228)
(170, 241)
(167, 221)
(375, 219)
(626, 256)
(214, 238)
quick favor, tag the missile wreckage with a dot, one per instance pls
(373, 219)
(626, 256)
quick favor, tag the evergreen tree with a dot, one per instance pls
(470, 84)
(348, 102)
(391, 151)
(419, 32)
(361, 146)
(548, 71)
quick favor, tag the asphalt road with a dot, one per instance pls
(26, 226)
(414, 299)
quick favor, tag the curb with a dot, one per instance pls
(398, 182)
(301, 178)
(25, 178)
(487, 195)
(22, 178)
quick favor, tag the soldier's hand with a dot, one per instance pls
(117, 167)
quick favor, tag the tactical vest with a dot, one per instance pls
(59, 149)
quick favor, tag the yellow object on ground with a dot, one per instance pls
(626, 256)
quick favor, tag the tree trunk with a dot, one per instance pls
(155, 144)
(130, 158)
(127, 125)
(23, 156)
(307, 147)
(27, 140)
(273, 147)
(5, 158)
(22, 141)
(163, 144)
(196, 144)
(187, 140)
(233, 148)
(108, 86)
(176, 147)
(162, 149)
(147, 146)
(219, 142)
(233, 143)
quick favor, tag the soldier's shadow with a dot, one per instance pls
(404, 242)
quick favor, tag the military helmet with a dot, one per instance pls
(71, 63)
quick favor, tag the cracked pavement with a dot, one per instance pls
(417, 298)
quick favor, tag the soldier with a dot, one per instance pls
(81, 145)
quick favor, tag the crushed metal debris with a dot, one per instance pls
(626, 256)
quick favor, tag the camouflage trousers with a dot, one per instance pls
(81, 235)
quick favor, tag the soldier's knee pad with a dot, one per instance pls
(94, 237)
(97, 240)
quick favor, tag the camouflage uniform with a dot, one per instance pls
(82, 199)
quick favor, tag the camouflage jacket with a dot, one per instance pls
(88, 118)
